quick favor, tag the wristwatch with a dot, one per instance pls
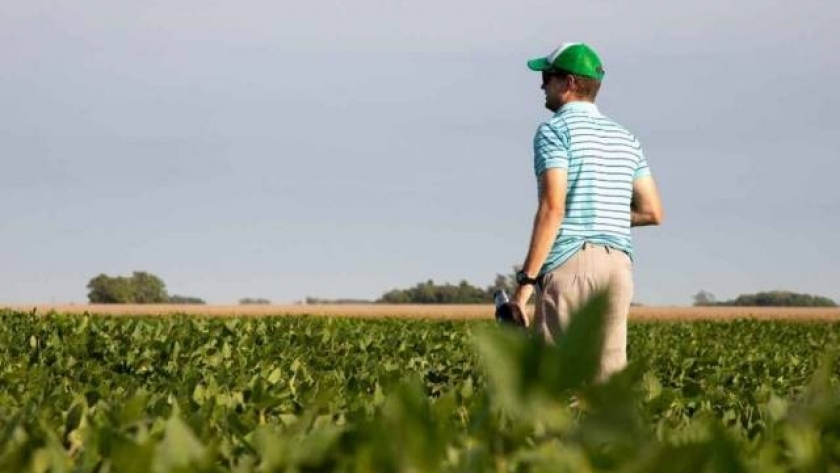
(523, 279)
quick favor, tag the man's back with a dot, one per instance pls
(602, 160)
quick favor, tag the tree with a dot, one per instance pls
(430, 293)
(148, 288)
(185, 300)
(104, 289)
(781, 299)
(342, 300)
(462, 293)
(704, 298)
(766, 299)
(254, 301)
(396, 296)
(139, 288)
(505, 282)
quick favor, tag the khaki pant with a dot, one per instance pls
(568, 287)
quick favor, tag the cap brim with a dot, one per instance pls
(540, 64)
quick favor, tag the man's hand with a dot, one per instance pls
(513, 314)
(520, 299)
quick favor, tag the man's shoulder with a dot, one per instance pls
(558, 124)
(568, 123)
(609, 120)
(597, 123)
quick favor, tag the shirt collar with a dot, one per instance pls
(578, 106)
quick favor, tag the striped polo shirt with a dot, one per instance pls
(602, 159)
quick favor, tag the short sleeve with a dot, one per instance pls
(549, 150)
(642, 167)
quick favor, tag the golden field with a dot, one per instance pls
(423, 311)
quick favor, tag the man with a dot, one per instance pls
(594, 183)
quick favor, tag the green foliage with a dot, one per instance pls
(704, 298)
(131, 394)
(185, 300)
(139, 288)
(766, 299)
(104, 289)
(463, 293)
(339, 301)
(781, 299)
(254, 301)
(430, 293)
(506, 282)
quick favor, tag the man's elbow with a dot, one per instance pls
(656, 217)
(552, 211)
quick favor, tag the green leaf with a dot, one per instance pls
(178, 449)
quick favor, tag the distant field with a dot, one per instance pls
(428, 311)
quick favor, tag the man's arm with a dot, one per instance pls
(645, 208)
(547, 221)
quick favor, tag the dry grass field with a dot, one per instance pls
(427, 311)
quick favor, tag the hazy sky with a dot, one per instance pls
(285, 149)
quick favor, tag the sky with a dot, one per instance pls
(284, 149)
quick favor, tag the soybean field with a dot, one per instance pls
(298, 393)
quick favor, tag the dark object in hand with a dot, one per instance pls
(510, 314)
(507, 312)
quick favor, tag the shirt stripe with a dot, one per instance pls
(602, 159)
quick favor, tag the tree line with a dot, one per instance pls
(765, 299)
(143, 288)
(462, 293)
(146, 288)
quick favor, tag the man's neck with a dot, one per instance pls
(577, 99)
(578, 104)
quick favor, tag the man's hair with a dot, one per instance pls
(586, 87)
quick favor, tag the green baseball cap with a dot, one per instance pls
(576, 58)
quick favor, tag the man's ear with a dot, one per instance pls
(571, 83)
